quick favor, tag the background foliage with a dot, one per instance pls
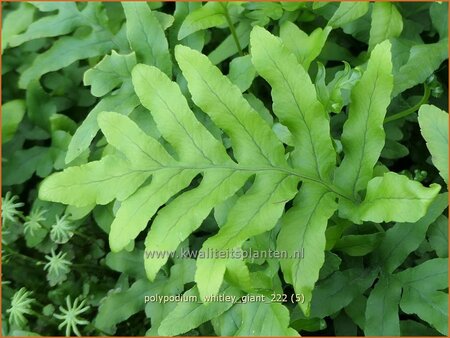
(73, 93)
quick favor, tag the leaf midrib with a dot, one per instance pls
(231, 112)
(237, 167)
(363, 148)
(302, 114)
(174, 115)
(305, 230)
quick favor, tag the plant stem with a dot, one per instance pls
(89, 239)
(379, 227)
(425, 97)
(232, 29)
(24, 257)
(38, 315)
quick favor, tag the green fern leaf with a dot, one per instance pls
(303, 228)
(305, 47)
(97, 182)
(434, 127)
(123, 100)
(65, 21)
(146, 36)
(295, 103)
(422, 295)
(209, 15)
(348, 12)
(189, 315)
(255, 319)
(386, 296)
(411, 199)
(182, 176)
(386, 23)
(109, 73)
(258, 210)
(258, 319)
(363, 135)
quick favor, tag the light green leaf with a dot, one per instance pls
(264, 319)
(386, 23)
(261, 12)
(165, 20)
(143, 204)
(411, 199)
(184, 215)
(146, 36)
(404, 238)
(188, 315)
(259, 106)
(109, 73)
(254, 319)
(242, 72)
(227, 323)
(97, 182)
(249, 133)
(123, 100)
(174, 119)
(334, 233)
(223, 102)
(196, 147)
(434, 127)
(305, 47)
(348, 12)
(64, 22)
(141, 150)
(295, 103)
(336, 94)
(195, 40)
(65, 51)
(198, 151)
(207, 16)
(16, 22)
(384, 299)
(420, 295)
(12, 114)
(144, 152)
(181, 273)
(423, 61)
(363, 134)
(254, 213)
(303, 228)
(283, 133)
(238, 275)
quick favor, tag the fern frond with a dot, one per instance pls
(187, 173)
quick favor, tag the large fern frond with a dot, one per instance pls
(188, 172)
